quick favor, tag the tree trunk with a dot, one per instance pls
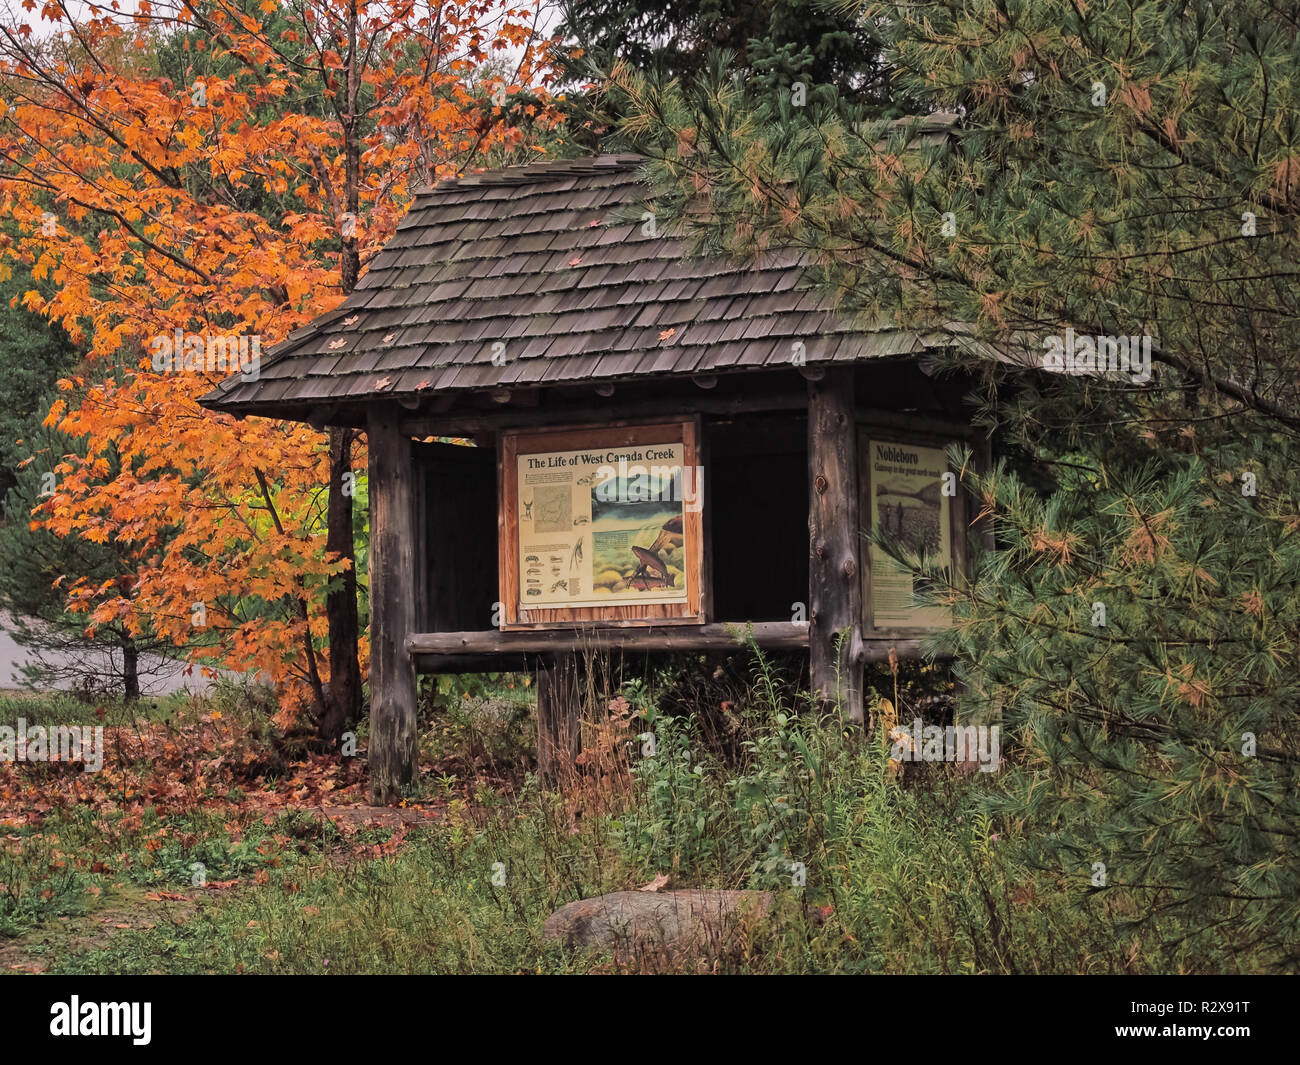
(130, 672)
(343, 704)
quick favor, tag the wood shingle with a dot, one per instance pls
(543, 259)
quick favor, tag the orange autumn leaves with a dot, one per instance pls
(199, 171)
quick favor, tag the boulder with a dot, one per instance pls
(657, 927)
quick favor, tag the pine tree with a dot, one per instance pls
(1104, 171)
(790, 40)
(34, 354)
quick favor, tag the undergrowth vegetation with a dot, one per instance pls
(871, 870)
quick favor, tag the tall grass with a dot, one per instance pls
(870, 872)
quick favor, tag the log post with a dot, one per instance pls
(559, 716)
(393, 760)
(834, 585)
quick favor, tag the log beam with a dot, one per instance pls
(871, 650)
(559, 717)
(393, 751)
(770, 635)
(834, 584)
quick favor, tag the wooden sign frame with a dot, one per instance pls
(691, 610)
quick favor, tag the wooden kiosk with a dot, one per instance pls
(666, 449)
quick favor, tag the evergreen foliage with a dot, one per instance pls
(1116, 170)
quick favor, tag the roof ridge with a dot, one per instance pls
(541, 170)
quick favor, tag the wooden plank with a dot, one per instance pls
(508, 527)
(930, 425)
(393, 751)
(699, 522)
(467, 422)
(834, 588)
(559, 717)
(771, 635)
(868, 651)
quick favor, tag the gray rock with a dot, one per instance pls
(657, 927)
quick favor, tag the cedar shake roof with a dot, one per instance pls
(541, 259)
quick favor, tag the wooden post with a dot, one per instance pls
(559, 716)
(393, 591)
(834, 588)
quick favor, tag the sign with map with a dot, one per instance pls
(606, 518)
(905, 490)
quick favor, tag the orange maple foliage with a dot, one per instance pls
(189, 169)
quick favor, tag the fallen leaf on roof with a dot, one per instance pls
(423, 384)
(337, 343)
(593, 223)
(352, 319)
(575, 261)
(383, 382)
(667, 333)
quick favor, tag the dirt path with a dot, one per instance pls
(130, 907)
(126, 908)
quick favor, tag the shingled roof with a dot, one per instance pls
(541, 258)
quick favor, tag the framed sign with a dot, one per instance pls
(601, 524)
(907, 495)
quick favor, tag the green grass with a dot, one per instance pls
(64, 708)
(897, 877)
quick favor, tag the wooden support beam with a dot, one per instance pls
(393, 590)
(834, 585)
(559, 717)
(868, 650)
(770, 635)
(464, 422)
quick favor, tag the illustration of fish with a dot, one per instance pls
(669, 536)
(651, 573)
(650, 562)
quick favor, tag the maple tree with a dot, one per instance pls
(224, 171)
